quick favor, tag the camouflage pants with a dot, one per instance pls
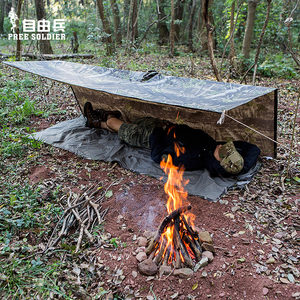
(137, 133)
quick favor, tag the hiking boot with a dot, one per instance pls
(93, 117)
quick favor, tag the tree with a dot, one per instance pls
(209, 30)
(252, 4)
(110, 48)
(191, 24)
(232, 51)
(117, 21)
(134, 21)
(203, 31)
(19, 50)
(2, 12)
(172, 29)
(179, 9)
(44, 45)
(163, 31)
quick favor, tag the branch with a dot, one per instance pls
(210, 29)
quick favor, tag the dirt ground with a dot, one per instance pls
(255, 230)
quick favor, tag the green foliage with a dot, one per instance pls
(277, 66)
(22, 207)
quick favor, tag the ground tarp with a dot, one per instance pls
(197, 103)
(99, 144)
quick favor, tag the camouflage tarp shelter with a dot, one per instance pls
(197, 103)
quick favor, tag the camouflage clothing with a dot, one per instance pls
(231, 160)
(137, 133)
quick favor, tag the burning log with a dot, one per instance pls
(172, 216)
(183, 249)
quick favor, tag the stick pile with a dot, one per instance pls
(82, 214)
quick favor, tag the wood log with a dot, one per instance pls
(186, 257)
(157, 259)
(50, 56)
(167, 255)
(172, 216)
(177, 259)
(193, 246)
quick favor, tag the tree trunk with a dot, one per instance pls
(126, 8)
(262, 33)
(232, 51)
(210, 30)
(45, 46)
(106, 27)
(178, 17)
(203, 32)
(117, 21)
(172, 30)
(19, 50)
(74, 42)
(191, 25)
(163, 31)
(13, 4)
(2, 13)
(134, 21)
(249, 27)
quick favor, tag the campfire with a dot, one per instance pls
(177, 244)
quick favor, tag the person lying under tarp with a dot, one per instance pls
(201, 150)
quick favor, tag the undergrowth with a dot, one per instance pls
(25, 215)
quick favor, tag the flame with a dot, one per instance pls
(177, 197)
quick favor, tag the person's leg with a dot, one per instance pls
(113, 123)
(135, 134)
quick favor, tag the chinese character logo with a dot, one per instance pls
(43, 25)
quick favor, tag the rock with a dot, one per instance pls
(141, 256)
(147, 267)
(149, 234)
(208, 247)
(164, 270)
(149, 297)
(142, 241)
(265, 291)
(140, 249)
(205, 237)
(184, 272)
(134, 274)
(209, 255)
(202, 263)
(271, 260)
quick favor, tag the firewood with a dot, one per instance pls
(187, 259)
(173, 215)
(177, 260)
(160, 254)
(167, 255)
(193, 246)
